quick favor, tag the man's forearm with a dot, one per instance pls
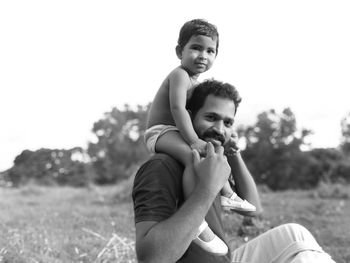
(168, 240)
(244, 182)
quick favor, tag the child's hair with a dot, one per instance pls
(197, 27)
(215, 88)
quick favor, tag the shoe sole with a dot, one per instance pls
(229, 208)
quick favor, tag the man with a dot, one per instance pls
(166, 224)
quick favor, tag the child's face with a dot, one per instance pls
(198, 54)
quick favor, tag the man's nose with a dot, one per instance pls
(219, 127)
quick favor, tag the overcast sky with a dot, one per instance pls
(64, 63)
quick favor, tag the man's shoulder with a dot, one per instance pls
(159, 175)
(160, 169)
(157, 189)
(162, 156)
(161, 160)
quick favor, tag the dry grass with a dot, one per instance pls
(96, 224)
(65, 225)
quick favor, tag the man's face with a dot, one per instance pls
(214, 121)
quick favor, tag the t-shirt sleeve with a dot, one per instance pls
(157, 190)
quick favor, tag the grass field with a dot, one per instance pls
(95, 224)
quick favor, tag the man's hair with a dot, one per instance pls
(215, 88)
(197, 27)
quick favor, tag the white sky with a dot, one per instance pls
(64, 63)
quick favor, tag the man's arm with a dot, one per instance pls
(244, 183)
(167, 241)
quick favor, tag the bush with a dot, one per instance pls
(50, 167)
(332, 191)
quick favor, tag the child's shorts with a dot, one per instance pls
(152, 134)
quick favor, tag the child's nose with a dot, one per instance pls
(203, 55)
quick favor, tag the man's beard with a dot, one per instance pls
(209, 135)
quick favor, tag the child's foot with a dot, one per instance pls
(236, 203)
(210, 242)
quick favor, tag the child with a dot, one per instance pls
(169, 126)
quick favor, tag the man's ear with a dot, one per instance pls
(178, 50)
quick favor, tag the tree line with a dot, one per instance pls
(274, 151)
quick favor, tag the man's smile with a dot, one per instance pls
(214, 137)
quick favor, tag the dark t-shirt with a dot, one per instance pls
(157, 194)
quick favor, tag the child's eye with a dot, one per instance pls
(196, 47)
(211, 51)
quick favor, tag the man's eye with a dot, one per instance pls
(228, 123)
(210, 118)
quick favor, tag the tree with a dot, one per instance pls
(47, 167)
(120, 145)
(345, 130)
(272, 147)
(327, 163)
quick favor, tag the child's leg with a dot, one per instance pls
(173, 144)
(227, 190)
(231, 201)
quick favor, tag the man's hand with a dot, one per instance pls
(213, 170)
(231, 147)
(200, 146)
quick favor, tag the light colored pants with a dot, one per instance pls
(153, 133)
(289, 243)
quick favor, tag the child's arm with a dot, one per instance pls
(245, 184)
(231, 147)
(178, 87)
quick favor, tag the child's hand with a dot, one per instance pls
(200, 146)
(231, 147)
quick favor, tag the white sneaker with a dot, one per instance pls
(215, 246)
(236, 203)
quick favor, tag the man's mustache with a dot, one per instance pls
(211, 134)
